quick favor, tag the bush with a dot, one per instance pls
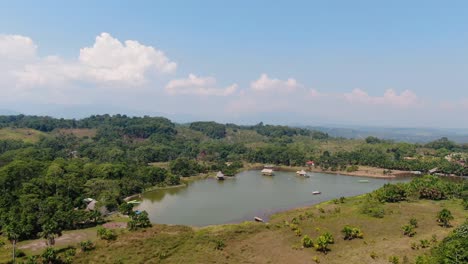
(408, 230)
(219, 244)
(352, 168)
(106, 234)
(373, 207)
(87, 246)
(424, 243)
(307, 242)
(351, 233)
(50, 256)
(19, 253)
(413, 222)
(453, 248)
(444, 217)
(298, 232)
(394, 260)
(321, 244)
(329, 238)
(392, 193)
(139, 220)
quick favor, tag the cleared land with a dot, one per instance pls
(25, 134)
(275, 242)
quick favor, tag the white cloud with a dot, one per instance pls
(107, 61)
(16, 47)
(264, 83)
(390, 97)
(198, 86)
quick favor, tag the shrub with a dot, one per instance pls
(307, 242)
(394, 260)
(294, 227)
(408, 230)
(352, 168)
(329, 237)
(295, 221)
(373, 207)
(298, 232)
(373, 255)
(444, 217)
(413, 222)
(87, 246)
(49, 255)
(321, 244)
(392, 193)
(414, 246)
(431, 193)
(106, 234)
(342, 199)
(219, 244)
(321, 210)
(452, 249)
(140, 220)
(424, 243)
(350, 233)
(19, 253)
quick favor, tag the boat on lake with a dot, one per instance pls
(363, 181)
(258, 219)
(302, 173)
(267, 172)
(316, 192)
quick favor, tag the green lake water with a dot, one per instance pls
(249, 194)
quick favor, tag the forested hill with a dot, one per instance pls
(49, 166)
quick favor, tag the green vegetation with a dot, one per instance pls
(444, 217)
(350, 233)
(50, 167)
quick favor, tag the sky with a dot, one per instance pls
(376, 63)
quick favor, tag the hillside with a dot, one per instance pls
(277, 243)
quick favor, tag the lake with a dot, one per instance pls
(249, 194)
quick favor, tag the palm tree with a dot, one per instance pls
(13, 234)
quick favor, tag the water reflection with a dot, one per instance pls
(249, 194)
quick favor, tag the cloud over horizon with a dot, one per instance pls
(107, 61)
(195, 85)
(112, 70)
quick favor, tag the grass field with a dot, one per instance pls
(275, 242)
(25, 134)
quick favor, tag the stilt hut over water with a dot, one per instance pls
(301, 173)
(220, 176)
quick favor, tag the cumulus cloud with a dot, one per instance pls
(107, 61)
(198, 86)
(265, 83)
(16, 47)
(390, 97)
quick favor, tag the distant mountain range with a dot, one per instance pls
(414, 135)
(8, 112)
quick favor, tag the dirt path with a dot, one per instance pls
(65, 239)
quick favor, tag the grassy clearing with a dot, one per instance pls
(276, 243)
(24, 134)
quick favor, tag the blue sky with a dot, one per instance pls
(398, 63)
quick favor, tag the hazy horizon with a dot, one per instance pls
(363, 63)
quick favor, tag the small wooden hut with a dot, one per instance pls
(302, 173)
(220, 176)
(267, 172)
